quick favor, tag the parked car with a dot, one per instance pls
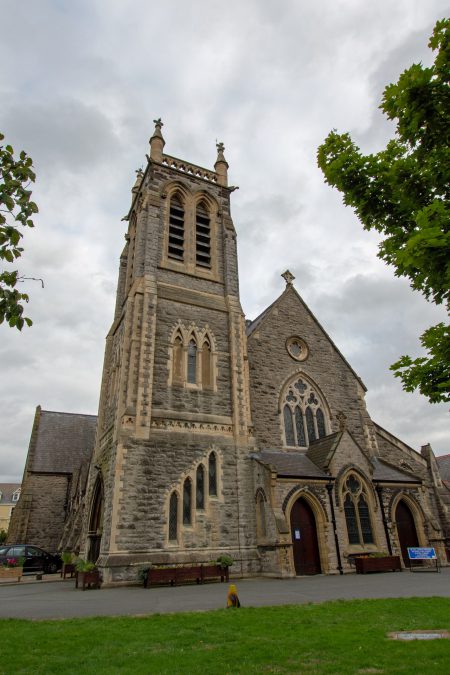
(36, 559)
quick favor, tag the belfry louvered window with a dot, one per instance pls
(202, 236)
(176, 229)
(173, 517)
(357, 513)
(303, 416)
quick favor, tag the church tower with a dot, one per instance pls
(170, 479)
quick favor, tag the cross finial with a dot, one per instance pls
(158, 122)
(288, 277)
(220, 147)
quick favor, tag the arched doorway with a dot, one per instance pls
(95, 522)
(406, 529)
(304, 538)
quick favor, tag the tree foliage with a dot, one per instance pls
(403, 192)
(16, 211)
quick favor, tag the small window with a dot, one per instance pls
(310, 424)
(320, 423)
(288, 426)
(202, 236)
(187, 502)
(200, 488)
(357, 513)
(212, 475)
(15, 496)
(178, 359)
(206, 365)
(176, 229)
(192, 363)
(173, 517)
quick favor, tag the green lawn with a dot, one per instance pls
(334, 637)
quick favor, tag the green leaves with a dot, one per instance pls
(403, 192)
(16, 210)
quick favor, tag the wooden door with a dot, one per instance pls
(304, 539)
(406, 529)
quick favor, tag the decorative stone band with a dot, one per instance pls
(190, 169)
(182, 425)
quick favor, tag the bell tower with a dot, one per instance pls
(174, 429)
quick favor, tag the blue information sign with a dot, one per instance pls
(421, 553)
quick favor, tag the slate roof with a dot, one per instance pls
(443, 463)
(321, 451)
(63, 441)
(385, 472)
(6, 492)
(290, 464)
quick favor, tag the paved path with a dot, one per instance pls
(59, 599)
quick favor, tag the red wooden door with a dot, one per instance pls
(406, 529)
(304, 539)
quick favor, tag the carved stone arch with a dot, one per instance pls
(199, 195)
(321, 520)
(340, 481)
(299, 372)
(418, 515)
(170, 187)
(260, 494)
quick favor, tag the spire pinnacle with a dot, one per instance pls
(221, 165)
(157, 142)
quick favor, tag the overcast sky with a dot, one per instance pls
(80, 85)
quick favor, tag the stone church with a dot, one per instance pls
(217, 435)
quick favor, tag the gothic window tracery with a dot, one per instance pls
(357, 512)
(192, 358)
(303, 414)
(192, 362)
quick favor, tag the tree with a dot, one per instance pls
(403, 192)
(16, 210)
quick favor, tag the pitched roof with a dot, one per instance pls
(322, 450)
(385, 472)
(63, 441)
(253, 325)
(443, 463)
(6, 492)
(290, 464)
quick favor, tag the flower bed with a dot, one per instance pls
(389, 563)
(187, 573)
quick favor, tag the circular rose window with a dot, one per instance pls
(297, 348)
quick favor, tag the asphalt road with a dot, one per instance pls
(59, 599)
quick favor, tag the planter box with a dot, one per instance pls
(389, 563)
(68, 569)
(11, 573)
(174, 575)
(90, 579)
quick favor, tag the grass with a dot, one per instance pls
(334, 637)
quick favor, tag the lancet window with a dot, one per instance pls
(303, 414)
(192, 359)
(212, 475)
(173, 517)
(200, 487)
(187, 502)
(357, 512)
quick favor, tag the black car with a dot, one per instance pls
(36, 559)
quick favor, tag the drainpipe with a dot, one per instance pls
(379, 490)
(329, 487)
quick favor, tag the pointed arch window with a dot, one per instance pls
(192, 362)
(357, 512)
(187, 502)
(303, 416)
(178, 359)
(173, 517)
(176, 229)
(206, 365)
(212, 475)
(200, 488)
(202, 236)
